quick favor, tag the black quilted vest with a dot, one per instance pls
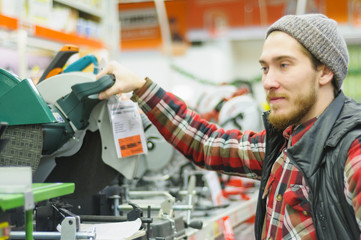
(320, 155)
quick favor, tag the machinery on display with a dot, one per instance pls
(64, 133)
(231, 107)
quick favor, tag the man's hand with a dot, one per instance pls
(125, 80)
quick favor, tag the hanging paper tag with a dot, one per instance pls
(128, 132)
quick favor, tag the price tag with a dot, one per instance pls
(128, 132)
(227, 228)
(217, 198)
(214, 187)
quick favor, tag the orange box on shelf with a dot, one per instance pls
(8, 22)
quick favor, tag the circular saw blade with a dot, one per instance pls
(55, 87)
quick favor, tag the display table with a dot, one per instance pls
(237, 213)
(41, 192)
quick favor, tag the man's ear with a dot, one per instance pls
(326, 75)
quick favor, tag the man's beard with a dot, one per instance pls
(302, 106)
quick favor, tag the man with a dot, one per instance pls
(308, 157)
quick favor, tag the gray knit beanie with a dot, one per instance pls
(319, 35)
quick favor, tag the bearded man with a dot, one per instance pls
(307, 158)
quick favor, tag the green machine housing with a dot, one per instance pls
(21, 104)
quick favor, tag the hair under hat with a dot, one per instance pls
(319, 35)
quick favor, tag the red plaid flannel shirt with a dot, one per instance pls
(242, 153)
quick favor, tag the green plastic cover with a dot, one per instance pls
(20, 102)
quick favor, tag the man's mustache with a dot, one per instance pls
(275, 95)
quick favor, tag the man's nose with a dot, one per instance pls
(270, 79)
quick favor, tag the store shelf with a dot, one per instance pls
(46, 33)
(235, 34)
(352, 34)
(41, 191)
(10, 23)
(82, 7)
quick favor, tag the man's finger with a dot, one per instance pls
(108, 92)
(108, 69)
(102, 73)
(103, 95)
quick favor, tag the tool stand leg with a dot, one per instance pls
(29, 224)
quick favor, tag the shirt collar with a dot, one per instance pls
(294, 133)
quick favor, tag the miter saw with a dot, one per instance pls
(60, 128)
(68, 127)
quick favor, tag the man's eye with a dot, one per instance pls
(264, 69)
(284, 65)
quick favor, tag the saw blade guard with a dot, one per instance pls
(22, 96)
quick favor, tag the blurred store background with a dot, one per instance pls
(182, 44)
(204, 51)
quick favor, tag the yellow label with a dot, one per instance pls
(4, 230)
